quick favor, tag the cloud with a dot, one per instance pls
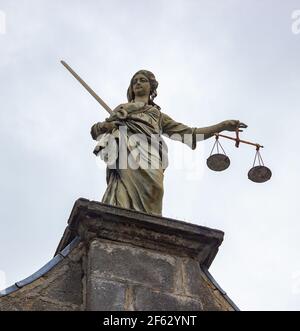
(214, 60)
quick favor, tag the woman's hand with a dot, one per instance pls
(102, 127)
(232, 125)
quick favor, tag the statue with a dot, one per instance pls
(137, 186)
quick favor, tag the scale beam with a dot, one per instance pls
(238, 140)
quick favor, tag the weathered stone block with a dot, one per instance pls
(67, 286)
(147, 300)
(47, 305)
(132, 264)
(195, 285)
(192, 280)
(105, 295)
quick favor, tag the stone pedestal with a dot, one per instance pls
(125, 260)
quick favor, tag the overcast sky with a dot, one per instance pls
(214, 60)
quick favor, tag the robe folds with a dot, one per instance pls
(136, 155)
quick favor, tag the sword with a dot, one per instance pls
(85, 85)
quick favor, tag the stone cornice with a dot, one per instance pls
(91, 219)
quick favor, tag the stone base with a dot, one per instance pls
(116, 259)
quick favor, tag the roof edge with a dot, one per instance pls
(42, 271)
(218, 287)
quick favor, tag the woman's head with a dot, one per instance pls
(143, 82)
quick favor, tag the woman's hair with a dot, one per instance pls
(153, 86)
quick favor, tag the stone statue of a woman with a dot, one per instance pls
(136, 186)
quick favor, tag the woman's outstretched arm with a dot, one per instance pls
(190, 135)
(228, 125)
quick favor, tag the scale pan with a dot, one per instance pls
(259, 174)
(218, 162)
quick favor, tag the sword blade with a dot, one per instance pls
(86, 86)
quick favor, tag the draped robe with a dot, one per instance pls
(138, 186)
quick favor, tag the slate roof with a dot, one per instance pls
(41, 272)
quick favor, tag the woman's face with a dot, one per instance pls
(141, 85)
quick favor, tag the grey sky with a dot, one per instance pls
(214, 60)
